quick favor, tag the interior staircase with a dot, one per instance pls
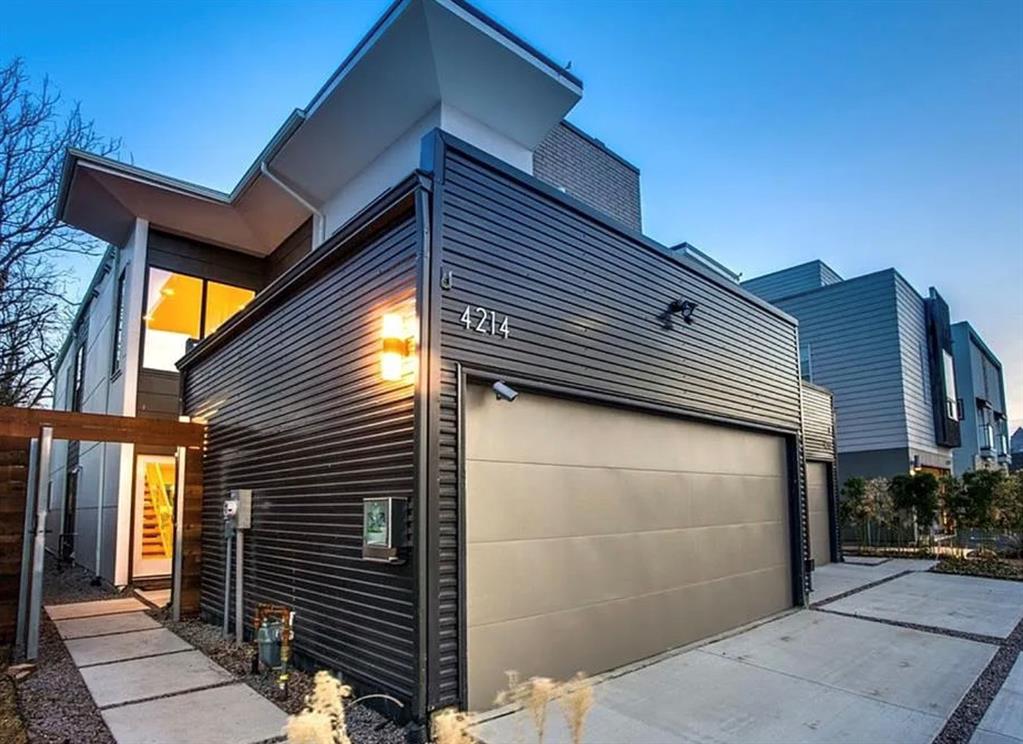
(157, 516)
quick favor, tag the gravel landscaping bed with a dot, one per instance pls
(12, 728)
(54, 700)
(960, 726)
(989, 568)
(365, 725)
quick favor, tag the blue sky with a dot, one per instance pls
(866, 134)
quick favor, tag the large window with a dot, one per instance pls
(181, 308)
(951, 404)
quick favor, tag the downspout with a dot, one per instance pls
(319, 222)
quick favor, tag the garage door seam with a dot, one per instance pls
(626, 598)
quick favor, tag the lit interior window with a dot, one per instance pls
(173, 316)
(223, 301)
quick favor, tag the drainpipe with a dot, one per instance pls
(319, 223)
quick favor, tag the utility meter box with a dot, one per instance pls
(243, 498)
(383, 528)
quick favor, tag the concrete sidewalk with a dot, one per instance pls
(814, 675)
(151, 686)
(838, 578)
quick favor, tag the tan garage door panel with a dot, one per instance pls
(817, 499)
(598, 536)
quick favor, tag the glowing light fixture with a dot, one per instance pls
(396, 347)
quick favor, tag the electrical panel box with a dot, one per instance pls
(384, 528)
(243, 498)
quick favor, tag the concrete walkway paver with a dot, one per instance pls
(990, 607)
(139, 679)
(84, 627)
(152, 687)
(124, 646)
(1003, 722)
(91, 609)
(233, 714)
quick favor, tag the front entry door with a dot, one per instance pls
(154, 516)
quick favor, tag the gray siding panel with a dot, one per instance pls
(297, 412)
(852, 329)
(795, 280)
(916, 382)
(571, 160)
(818, 424)
(583, 304)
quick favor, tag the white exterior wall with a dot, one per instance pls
(103, 519)
(403, 156)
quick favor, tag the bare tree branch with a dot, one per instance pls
(35, 310)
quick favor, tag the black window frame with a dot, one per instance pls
(77, 377)
(202, 309)
(119, 316)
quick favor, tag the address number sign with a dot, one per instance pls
(482, 320)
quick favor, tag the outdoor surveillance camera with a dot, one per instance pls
(503, 391)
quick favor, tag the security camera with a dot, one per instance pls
(503, 391)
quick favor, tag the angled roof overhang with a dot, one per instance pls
(103, 197)
(421, 54)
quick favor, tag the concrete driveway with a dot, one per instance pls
(807, 676)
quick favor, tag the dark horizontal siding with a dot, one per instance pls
(298, 413)
(192, 257)
(449, 596)
(583, 300)
(818, 424)
(157, 394)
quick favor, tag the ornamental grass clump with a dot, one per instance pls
(534, 695)
(323, 720)
(452, 727)
(576, 700)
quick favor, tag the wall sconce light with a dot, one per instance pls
(397, 346)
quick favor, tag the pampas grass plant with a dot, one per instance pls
(323, 720)
(452, 727)
(576, 700)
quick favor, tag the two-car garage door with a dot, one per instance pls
(597, 536)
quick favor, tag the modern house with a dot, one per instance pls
(985, 440)
(886, 354)
(183, 258)
(485, 423)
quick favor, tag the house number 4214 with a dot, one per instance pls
(484, 321)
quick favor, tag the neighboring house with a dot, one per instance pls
(184, 258)
(981, 386)
(485, 422)
(885, 353)
(1016, 450)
